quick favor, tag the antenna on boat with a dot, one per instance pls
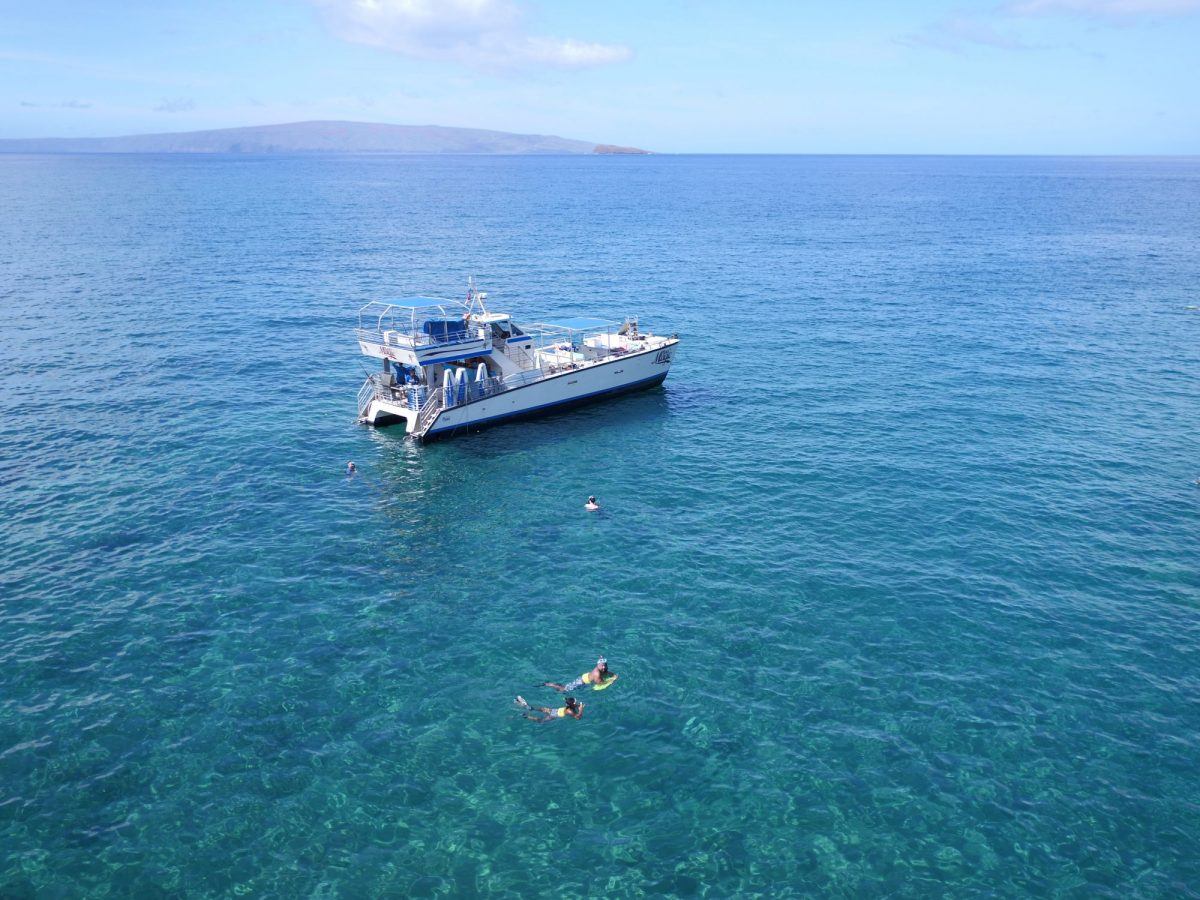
(475, 297)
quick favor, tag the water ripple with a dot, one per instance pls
(911, 610)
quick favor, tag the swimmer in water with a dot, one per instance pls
(598, 676)
(573, 708)
(591, 504)
(351, 468)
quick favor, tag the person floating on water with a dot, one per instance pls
(591, 504)
(599, 678)
(573, 708)
(351, 468)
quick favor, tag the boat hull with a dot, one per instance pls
(637, 371)
(534, 413)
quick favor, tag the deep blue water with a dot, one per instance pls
(899, 568)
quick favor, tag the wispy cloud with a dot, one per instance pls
(1102, 8)
(1000, 27)
(482, 34)
(958, 31)
(103, 70)
(61, 104)
(175, 104)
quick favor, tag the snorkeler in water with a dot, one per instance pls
(591, 504)
(599, 677)
(573, 708)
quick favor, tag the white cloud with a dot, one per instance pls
(1102, 8)
(483, 34)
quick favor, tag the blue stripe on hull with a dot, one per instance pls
(466, 354)
(550, 407)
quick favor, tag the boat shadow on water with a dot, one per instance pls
(652, 407)
(412, 480)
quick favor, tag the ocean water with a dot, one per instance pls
(898, 568)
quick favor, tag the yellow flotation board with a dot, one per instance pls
(606, 683)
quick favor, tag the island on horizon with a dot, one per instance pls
(322, 137)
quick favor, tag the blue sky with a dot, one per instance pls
(1008, 76)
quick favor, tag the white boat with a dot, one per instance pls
(450, 366)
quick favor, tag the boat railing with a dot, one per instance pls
(464, 392)
(429, 404)
(455, 394)
(367, 393)
(410, 396)
(524, 355)
(459, 392)
(520, 379)
(429, 411)
(391, 337)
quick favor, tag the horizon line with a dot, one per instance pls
(857, 153)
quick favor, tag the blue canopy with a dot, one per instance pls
(445, 329)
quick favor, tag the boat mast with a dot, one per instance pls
(475, 297)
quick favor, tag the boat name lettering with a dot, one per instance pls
(664, 357)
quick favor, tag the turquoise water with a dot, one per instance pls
(899, 568)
